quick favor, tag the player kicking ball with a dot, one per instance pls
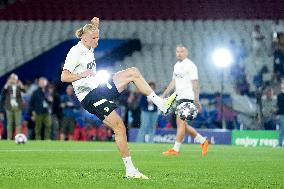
(97, 97)
(185, 83)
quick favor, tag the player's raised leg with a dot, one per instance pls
(123, 78)
(116, 124)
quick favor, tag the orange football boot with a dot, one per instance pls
(170, 152)
(204, 147)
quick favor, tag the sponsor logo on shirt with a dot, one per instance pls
(178, 75)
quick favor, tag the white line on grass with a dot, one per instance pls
(62, 150)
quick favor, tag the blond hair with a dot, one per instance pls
(87, 28)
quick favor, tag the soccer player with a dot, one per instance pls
(97, 97)
(185, 83)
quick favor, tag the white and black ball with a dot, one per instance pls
(20, 138)
(187, 111)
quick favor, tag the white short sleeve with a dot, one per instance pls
(192, 71)
(72, 60)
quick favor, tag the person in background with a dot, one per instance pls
(56, 110)
(39, 107)
(257, 41)
(149, 116)
(186, 84)
(30, 87)
(280, 105)
(13, 104)
(278, 57)
(134, 112)
(71, 107)
(2, 121)
(277, 28)
(243, 51)
(269, 103)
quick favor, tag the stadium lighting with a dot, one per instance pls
(103, 76)
(222, 57)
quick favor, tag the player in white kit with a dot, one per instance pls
(97, 97)
(185, 83)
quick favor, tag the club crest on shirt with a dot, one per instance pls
(91, 65)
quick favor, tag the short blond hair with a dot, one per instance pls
(183, 47)
(87, 28)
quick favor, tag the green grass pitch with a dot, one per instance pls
(46, 164)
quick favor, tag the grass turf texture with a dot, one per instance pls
(98, 165)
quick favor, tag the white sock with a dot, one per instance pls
(158, 101)
(128, 163)
(177, 146)
(200, 139)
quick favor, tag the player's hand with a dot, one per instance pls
(198, 106)
(95, 21)
(87, 73)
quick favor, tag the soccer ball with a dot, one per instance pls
(187, 111)
(20, 138)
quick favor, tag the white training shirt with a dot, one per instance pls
(184, 72)
(78, 60)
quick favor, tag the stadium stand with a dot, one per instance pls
(157, 52)
(30, 28)
(197, 24)
(143, 10)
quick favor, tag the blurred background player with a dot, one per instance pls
(96, 97)
(40, 109)
(71, 108)
(258, 44)
(280, 105)
(13, 103)
(185, 83)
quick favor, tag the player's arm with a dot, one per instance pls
(71, 62)
(196, 90)
(169, 88)
(67, 76)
